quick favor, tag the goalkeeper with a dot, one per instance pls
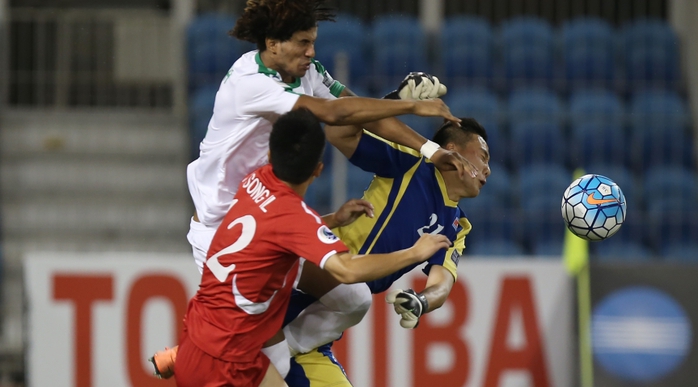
(410, 197)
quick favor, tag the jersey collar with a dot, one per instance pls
(273, 73)
(444, 191)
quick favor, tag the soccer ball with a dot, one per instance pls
(593, 207)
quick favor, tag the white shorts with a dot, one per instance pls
(200, 238)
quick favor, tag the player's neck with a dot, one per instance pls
(451, 182)
(300, 189)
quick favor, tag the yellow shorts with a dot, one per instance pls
(317, 368)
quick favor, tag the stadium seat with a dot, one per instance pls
(210, 51)
(651, 55)
(347, 35)
(398, 47)
(535, 118)
(529, 52)
(467, 51)
(499, 186)
(670, 188)
(490, 219)
(540, 187)
(357, 181)
(426, 126)
(658, 133)
(200, 112)
(484, 106)
(319, 193)
(627, 251)
(687, 252)
(494, 248)
(588, 49)
(548, 249)
(597, 133)
(672, 226)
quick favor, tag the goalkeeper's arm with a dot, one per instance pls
(411, 305)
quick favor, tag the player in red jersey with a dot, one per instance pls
(255, 256)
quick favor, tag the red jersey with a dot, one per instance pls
(252, 265)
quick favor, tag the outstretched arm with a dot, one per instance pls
(349, 268)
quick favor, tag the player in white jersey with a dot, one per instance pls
(263, 84)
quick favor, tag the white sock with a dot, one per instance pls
(325, 320)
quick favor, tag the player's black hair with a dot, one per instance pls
(278, 19)
(296, 144)
(469, 127)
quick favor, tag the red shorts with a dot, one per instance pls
(195, 368)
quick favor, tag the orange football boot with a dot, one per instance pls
(164, 361)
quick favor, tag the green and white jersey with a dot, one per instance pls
(249, 100)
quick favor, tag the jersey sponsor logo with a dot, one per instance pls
(455, 257)
(432, 221)
(455, 224)
(325, 235)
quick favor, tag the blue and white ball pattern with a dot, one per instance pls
(593, 207)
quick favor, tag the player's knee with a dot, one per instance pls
(361, 301)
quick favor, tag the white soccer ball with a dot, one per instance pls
(593, 207)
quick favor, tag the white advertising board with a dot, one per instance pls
(94, 319)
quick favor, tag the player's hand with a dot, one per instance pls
(409, 304)
(428, 244)
(418, 85)
(352, 210)
(447, 160)
(434, 108)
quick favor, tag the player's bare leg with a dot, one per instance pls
(272, 378)
(163, 362)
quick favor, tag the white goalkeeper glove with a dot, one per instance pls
(409, 304)
(418, 86)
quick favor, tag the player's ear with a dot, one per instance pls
(271, 45)
(318, 169)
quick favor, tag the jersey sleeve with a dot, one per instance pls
(324, 86)
(310, 238)
(259, 95)
(384, 158)
(450, 257)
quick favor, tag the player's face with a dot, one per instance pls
(294, 55)
(478, 153)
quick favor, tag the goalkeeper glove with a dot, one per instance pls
(417, 86)
(409, 304)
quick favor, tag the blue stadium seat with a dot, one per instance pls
(588, 49)
(210, 51)
(357, 181)
(651, 54)
(319, 193)
(426, 126)
(540, 189)
(687, 252)
(673, 226)
(347, 35)
(529, 51)
(490, 218)
(670, 189)
(200, 112)
(548, 249)
(484, 106)
(494, 248)
(499, 186)
(535, 117)
(597, 133)
(627, 251)
(467, 51)
(399, 47)
(658, 133)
